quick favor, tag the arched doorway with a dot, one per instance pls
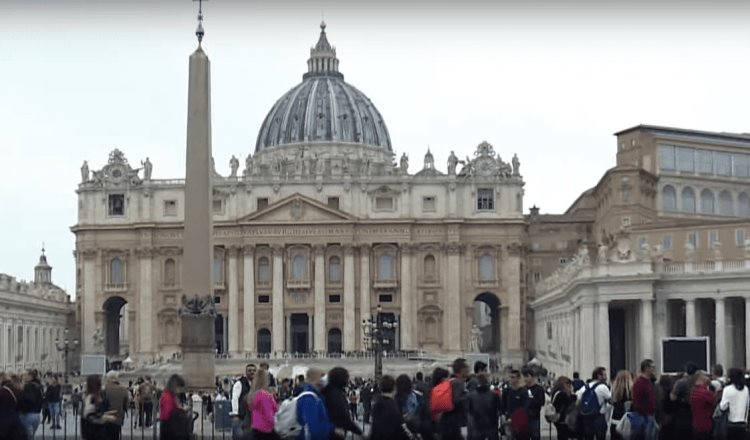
(334, 341)
(264, 341)
(113, 324)
(487, 319)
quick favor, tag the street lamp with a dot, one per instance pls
(65, 347)
(375, 334)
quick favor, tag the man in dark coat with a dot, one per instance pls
(484, 410)
(334, 396)
(451, 422)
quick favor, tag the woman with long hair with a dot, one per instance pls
(95, 411)
(564, 400)
(262, 405)
(735, 399)
(334, 397)
(622, 399)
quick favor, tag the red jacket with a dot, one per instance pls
(644, 398)
(702, 403)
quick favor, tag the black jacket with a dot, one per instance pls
(484, 409)
(386, 420)
(338, 409)
(31, 399)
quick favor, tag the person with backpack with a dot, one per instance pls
(146, 395)
(735, 399)
(240, 415)
(577, 382)
(448, 402)
(305, 416)
(387, 422)
(30, 402)
(536, 401)
(411, 405)
(484, 410)
(593, 396)
(175, 423)
(334, 396)
(514, 404)
(563, 402)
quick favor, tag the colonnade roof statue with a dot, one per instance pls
(323, 108)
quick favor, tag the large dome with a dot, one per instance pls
(323, 108)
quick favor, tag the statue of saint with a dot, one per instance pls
(249, 165)
(475, 339)
(147, 167)
(404, 163)
(601, 257)
(85, 172)
(314, 164)
(234, 165)
(298, 157)
(98, 339)
(452, 162)
(364, 168)
(516, 165)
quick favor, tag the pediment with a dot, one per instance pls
(298, 209)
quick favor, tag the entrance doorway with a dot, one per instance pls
(487, 319)
(300, 332)
(264, 341)
(113, 324)
(219, 336)
(334, 341)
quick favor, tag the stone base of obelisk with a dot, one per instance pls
(198, 352)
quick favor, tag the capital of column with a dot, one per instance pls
(169, 251)
(89, 253)
(407, 248)
(248, 249)
(278, 250)
(348, 248)
(515, 248)
(233, 251)
(145, 252)
(454, 248)
(319, 249)
(364, 248)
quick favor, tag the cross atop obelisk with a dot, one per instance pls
(197, 311)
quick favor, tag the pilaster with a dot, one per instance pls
(233, 311)
(452, 311)
(277, 333)
(349, 343)
(146, 315)
(721, 334)
(88, 305)
(364, 283)
(647, 329)
(248, 300)
(319, 331)
(602, 334)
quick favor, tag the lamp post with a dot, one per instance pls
(375, 338)
(65, 347)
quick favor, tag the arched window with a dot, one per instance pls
(385, 267)
(669, 198)
(169, 272)
(429, 267)
(486, 272)
(726, 203)
(707, 201)
(334, 340)
(743, 208)
(115, 271)
(218, 272)
(299, 267)
(688, 200)
(334, 270)
(264, 271)
(264, 341)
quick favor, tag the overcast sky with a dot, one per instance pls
(550, 81)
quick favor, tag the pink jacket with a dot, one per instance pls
(263, 408)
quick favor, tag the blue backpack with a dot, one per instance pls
(590, 401)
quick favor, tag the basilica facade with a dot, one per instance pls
(315, 231)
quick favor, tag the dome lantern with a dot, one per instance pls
(323, 61)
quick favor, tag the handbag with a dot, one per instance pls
(721, 423)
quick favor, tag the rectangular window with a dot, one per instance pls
(537, 277)
(625, 221)
(385, 298)
(685, 159)
(334, 299)
(384, 203)
(713, 237)
(693, 239)
(264, 299)
(666, 157)
(486, 200)
(333, 202)
(666, 242)
(262, 203)
(116, 204)
(170, 208)
(741, 163)
(704, 161)
(625, 196)
(218, 206)
(428, 204)
(723, 163)
(739, 237)
(217, 299)
(563, 261)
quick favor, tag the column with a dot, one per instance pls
(511, 267)
(88, 305)
(248, 300)
(452, 294)
(602, 335)
(690, 327)
(407, 334)
(364, 283)
(647, 329)
(233, 312)
(349, 318)
(319, 341)
(721, 334)
(145, 304)
(588, 330)
(277, 329)
(747, 331)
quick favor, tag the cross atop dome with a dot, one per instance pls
(323, 61)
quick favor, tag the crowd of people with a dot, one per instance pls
(449, 404)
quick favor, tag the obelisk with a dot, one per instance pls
(198, 312)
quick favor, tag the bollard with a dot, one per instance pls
(197, 409)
